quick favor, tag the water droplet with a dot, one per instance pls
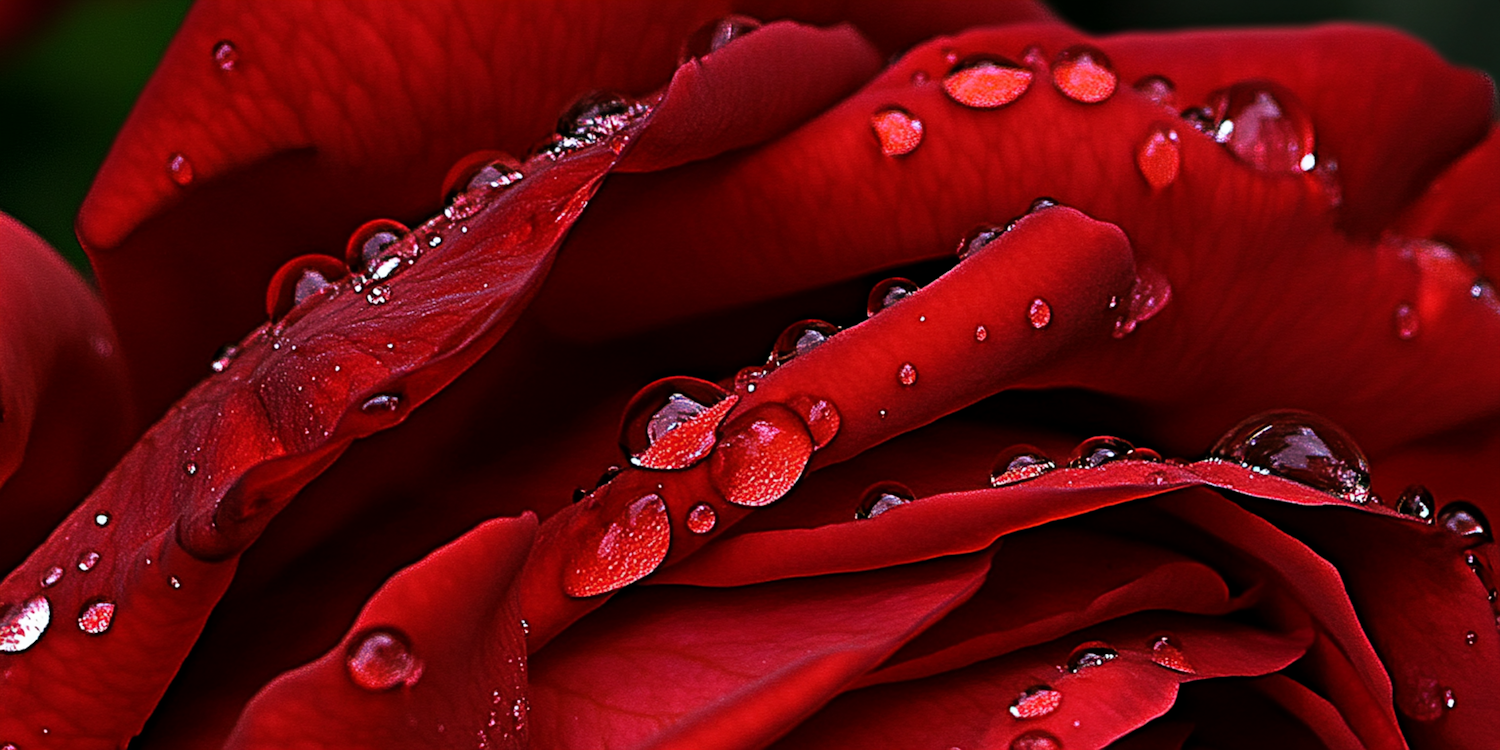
(381, 403)
(1416, 501)
(51, 577)
(800, 338)
(1427, 700)
(715, 35)
(1263, 125)
(1084, 74)
(1019, 463)
(1159, 90)
(986, 82)
(1407, 322)
(22, 624)
(481, 172)
(1035, 739)
(1471, 638)
(1159, 157)
(702, 518)
(1035, 702)
(1039, 313)
(226, 56)
(748, 379)
(366, 249)
(1143, 454)
(672, 423)
(96, 618)
(761, 456)
(1164, 651)
(1302, 447)
(1090, 655)
(190, 468)
(896, 130)
(1148, 295)
(1097, 451)
(906, 374)
(820, 415)
(180, 169)
(174, 582)
(381, 659)
(1466, 521)
(626, 550)
(592, 118)
(87, 561)
(981, 333)
(978, 239)
(879, 498)
(887, 293)
(101, 519)
(300, 279)
(379, 295)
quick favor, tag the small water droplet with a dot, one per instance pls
(1416, 501)
(435, 240)
(897, 131)
(51, 577)
(986, 82)
(381, 659)
(981, 333)
(95, 618)
(716, 35)
(1302, 447)
(761, 456)
(1100, 450)
(101, 519)
(1143, 454)
(919, 78)
(226, 56)
(366, 248)
(672, 423)
(1159, 157)
(887, 293)
(702, 518)
(1039, 313)
(1164, 651)
(881, 497)
(1466, 521)
(1148, 295)
(24, 623)
(1035, 739)
(978, 239)
(800, 338)
(1159, 90)
(1263, 125)
(174, 582)
(1471, 638)
(821, 417)
(190, 468)
(180, 170)
(299, 279)
(748, 379)
(1035, 702)
(382, 403)
(1084, 74)
(1407, 322)
(1090, 655)
(622, 552)
(906, 375)
(1019, 463)
(87, 561)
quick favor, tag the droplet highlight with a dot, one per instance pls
(672, 423)
(101, 519)
(1264, 126)
(1465, 520)
(879, 498)
(887, 293)
(1302, 447)
(761, 456)
(226, 56)
(1019, 463)
(1417, 501)
(821, 417)
(1148, 295)
(986, 82)
(51, 577)
(627, 549)
(702, 518)
(1039, 314)
(96, 618)
(1158, 90)
(981, 333)
(180, 170)
(897, 131)
(1166, 653)
(382, 659)
(1084, 74)
(1159, 157)
(87, 561)
(1098, 451)
(24, 623)
(800, 338)
(1035, 702)
(381, 404)
(1091, 655)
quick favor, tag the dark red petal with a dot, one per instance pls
(684, 667)
(1458, 207)
(465, 670)
(1270, 710)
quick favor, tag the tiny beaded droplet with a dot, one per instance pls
(226, 56)
(180, 169)
(1040, 313)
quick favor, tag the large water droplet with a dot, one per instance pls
(800, 338)
(622, 552)
(906, 374)
(879, 498)
(1408, 324)
(978, 239)
(761, 456)
(887, 293)
(593, 118)
(1019, 463)
(702, 518)
(1159, 90)
(715, 35)
(1090, 655)
(180, 169)
(1039, 313)
(88, 560)
(226, 56)
(1148, 295)
(369, 250)
(1164, 651)
(1466, 521)
(986, 82)
(1302, 447)
(897, 131)
(821, 417)
(52, 576)
(1035, 702)
(671, 424)
(1159, 157)
(1100, 450)
(1264, 126)
(24, 623)
(1035, 739)
(300, 279)
(1084, 74)
(381, 659)
(1416, 501)
(95, 618)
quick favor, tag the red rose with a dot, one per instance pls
(835, 548)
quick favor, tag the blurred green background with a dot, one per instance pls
(65, 91)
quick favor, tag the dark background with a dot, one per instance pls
(65, 91)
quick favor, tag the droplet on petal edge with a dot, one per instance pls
(1090, 655)
(978, 239)
(298, 280)
(1164, 651)
(1302, 447)
(1148, 295)
(1035, 702)
(898, 132)
(716, 35)
(24, 623)
(1019, 463)
(888, 292)
(632, 545)
(1417, 501)
(1084, 74)
(761, 456)
(672, 423)
(180, 169)
(800, 338)
(1099, 450)
(1159, 157)
(702, 518)
(986, 82)
(1035, 739)
(95, 618)
(1466, 521)
(881, 497)
(382, 659)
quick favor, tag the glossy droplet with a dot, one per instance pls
(981, 333)
(226, 56)
(761, 456)
(300, 279)
(879, 498)
(1164, 651)
(1019, 463)
(896, 130)
(382, 403)
(95, 618)
(1035, 739)
(1148, 295)
(51, 577)
(978, 239)
(887, 293)
(821, 417)
(1100, 450)
(481, 172)
(101, 519)
(985, 82)
(1407, 322)
(1159, 157)
(1035, 702)
(1159, 90)
(592, 118)
(1466, 521)
(1090, 655)
(622, 552)
(1428, 700)
(906, 374)
(381, 659)
(1471, 638)
(748, 379)
(1264, 126)
(366, 249)
(672, 423)
(1084, 74)
(1416, 501)
(190, 468)
(1143, 454)
(174, 582)
(24, 623)
(702, 518)
(1039, 313)
(1302, 447)
(800, 338)
(180, 169)
(715, 35)
(87, 561)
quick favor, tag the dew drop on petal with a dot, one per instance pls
(978, 239)
(24, 623)
(761, 456)
(87, 561)
(190, 468)
(906, 374)
(702, 518)
(180, 169)
(748, 379)
(1084, 74)
(1427, 700)
(1039, 313)
(1035, 702)
(52, 576)
(1090, 655)
(1302, 447)
(481, 172)
(224, 358)
(1165, 652)
(881, 497)
(1263, 125)
(986, 82)
(226, 56)
(981, 333)
(95, 618)
(1466, 521)
(672, 423)
(1417, 501)
(1143, 454)
(1471, 638)
(381, 403)
(1148, 295)
(101, 519)
(617, 554)
(1159, 157)
(887, 293)
(381, 659)
(1099, 450)
(1019, 463)
(821, 417)
(1158, 90)
(800, 338)
(1407, 322)
(1035, 739)
(897, 131)
(365, 250)
(300, 279)
(174, 582)
(715, 35)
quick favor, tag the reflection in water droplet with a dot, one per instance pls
(761, 456)
(180, 169)
(1159, 157)
(381, 403)
(1036, 739)
(1466, 521)
(1019, 463)
(1039, 313)
(906, 375)
(981, 333)
(1471, 638)
(1407, 322)
(381, 659)
(702, 518)
(1035, 702)
(366, 249)
(1100, 450)
(821, 417)
(101, 519)
(897, 131)
(1264, 126)
(985, 82)
(1159, 90)
(622, 552)
(96, 618)
(299, 279)
(800, 338)
(52, 576)
(1416, 501)
(1148, 295)
(1090, 655)
(88, 560)
(22, 624)
(1084, 74)
(596, 117)
(748, 379)
(1164, 651)
(887, 293)
(715, 35)
(1302, 447)
(671, 424)
(978, 239)
(879, 498)
(226, 56)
